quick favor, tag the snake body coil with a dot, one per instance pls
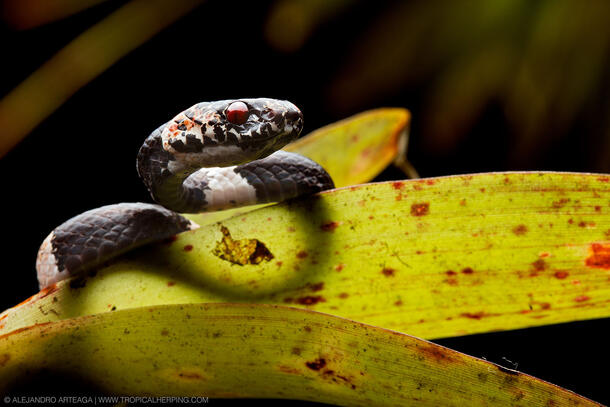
(212, 156)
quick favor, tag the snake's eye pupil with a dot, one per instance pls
(237, 113)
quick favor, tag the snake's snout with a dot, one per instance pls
(294, 119)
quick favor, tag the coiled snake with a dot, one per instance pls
(212, 156)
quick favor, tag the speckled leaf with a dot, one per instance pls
(233, 350)
(433, 258)
(369, 142)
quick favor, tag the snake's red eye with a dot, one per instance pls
(237, 113)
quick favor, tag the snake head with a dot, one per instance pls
(231, 132)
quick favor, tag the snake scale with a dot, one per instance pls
(212, 156)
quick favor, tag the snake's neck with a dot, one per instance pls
(165, 177)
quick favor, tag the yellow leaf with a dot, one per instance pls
(232, 350)
(432, 257)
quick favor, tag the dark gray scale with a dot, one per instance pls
(284, 175)
(95, 236)
(193, 163)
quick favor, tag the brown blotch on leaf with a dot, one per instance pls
(343, 295)
(561, 274)
(310, 300)
(435, 353)
(398, 303)
(420, 209)
(388, 272)
(398, 185)
(450, 273)
(243, 251)
(307, 328)
(474, 315)
(560, 203)
(171, 283)
(296, 351)
(316, 364)
(582, 298)
(188, 247)
(190, 376)
(599, 257)
(467, 270)
(288, 369)
(164, 332)
(47, 291)
(329, 227)
(4, 358)
(339, 267)
(316, 287)
(520, 230)
(539, 265)
(302, 254)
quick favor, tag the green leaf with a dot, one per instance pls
(433, 257)
(213, 350)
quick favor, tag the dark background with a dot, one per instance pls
(83, 155)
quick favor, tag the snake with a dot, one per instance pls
(211, 156)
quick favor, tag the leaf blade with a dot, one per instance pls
(481, 256)
(201, 349)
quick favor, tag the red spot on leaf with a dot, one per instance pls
(329, 227)
(600, 256)
(339, 267)
(467, 270)
(582, 298)
(561, 274)
(598, 208)
(316, 364)
(398, 185)
(398, 303)
(289, 369)
(520, 230)
(450, 273)
(560, 203)
(171, 283)
(316, 287)
(188, 247)
(48, 290)
(539, 265)
(474, 315)
(420, 209)
(388, 272)
(310, 300)
(436, 353)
